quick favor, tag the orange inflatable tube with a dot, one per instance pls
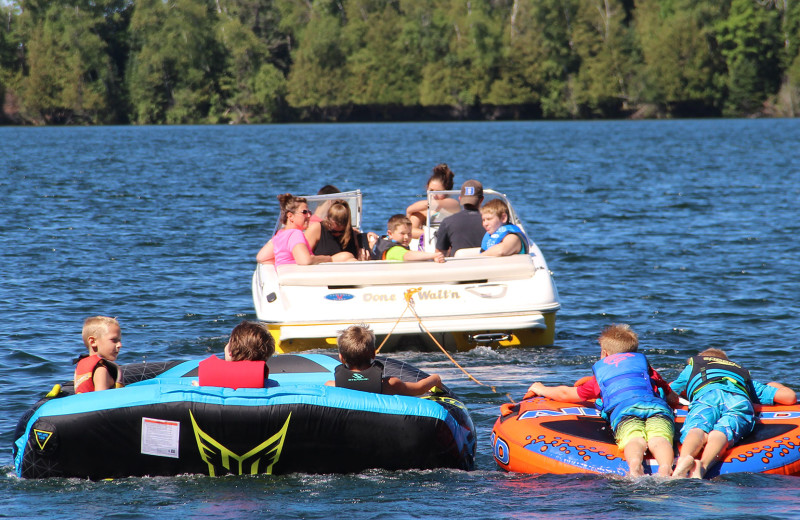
(539, 435)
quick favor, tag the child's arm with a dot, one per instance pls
(784, 395)
(557, 393)
(510, 245)
(102, 379)
(394, 386)
(411, 256)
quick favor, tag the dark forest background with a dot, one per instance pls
(258, 61)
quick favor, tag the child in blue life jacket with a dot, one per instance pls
(501, 238)
(360, 371)
(721, 396)
(96, 370)
(628, 388)
(394, 246)
(245, 364)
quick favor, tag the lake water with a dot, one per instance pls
(687, 230)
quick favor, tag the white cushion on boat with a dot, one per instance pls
(467, 251)
(383, 272)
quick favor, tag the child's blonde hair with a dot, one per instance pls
(618, 338)
(396, 221)
(96, 326)
(714, 352)
(251, 341)
(495, 207)
(357, 346)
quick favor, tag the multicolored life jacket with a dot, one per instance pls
(382, 246)
(707, 370)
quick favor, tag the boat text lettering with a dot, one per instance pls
(371, 297)
(441, 294)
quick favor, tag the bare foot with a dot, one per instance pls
(636, 471)
(665, 471)
(699, 471)
(685, 464)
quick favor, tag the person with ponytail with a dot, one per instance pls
(441, 179)
(289, 245)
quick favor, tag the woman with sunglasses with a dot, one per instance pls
(334, 235)
(289, 245)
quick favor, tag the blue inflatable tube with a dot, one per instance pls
(160, 424)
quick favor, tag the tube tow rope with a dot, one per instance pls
(409, 297)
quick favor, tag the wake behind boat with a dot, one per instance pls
(469, 300)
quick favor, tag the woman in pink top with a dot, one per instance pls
(289, 245)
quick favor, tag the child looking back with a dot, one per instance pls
(501, 238)
(626, 383)
(721, 396)
(360, 371)
(245, 363)
(395, 245)
(96, 370)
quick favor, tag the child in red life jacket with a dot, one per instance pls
(640, 418)
(360, 371)
(245, 363)
(96, 370)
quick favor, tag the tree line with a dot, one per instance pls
(256, 61)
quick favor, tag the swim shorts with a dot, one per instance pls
(658, 425)
(727, 412)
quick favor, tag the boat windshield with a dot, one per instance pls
(318, 204)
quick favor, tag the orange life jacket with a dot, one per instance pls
(84, 373)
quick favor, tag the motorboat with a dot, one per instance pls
(470, 300)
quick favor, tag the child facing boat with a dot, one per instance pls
(713, 425)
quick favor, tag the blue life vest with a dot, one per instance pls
(369, 380)
(624, 380)
(503, 231)
(708, 370)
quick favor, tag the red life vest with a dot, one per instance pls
(214, 371)
(84, 373)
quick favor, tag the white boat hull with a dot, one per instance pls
(463, 303)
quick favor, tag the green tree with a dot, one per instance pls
(538, 60)
(69, 71)
(463, 76)
(605, 46)
(680, 66)
(318, 75)
(254, 89)
(381, 68)
(173, 70)
(750, 39)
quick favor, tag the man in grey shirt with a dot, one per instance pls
(463, 229)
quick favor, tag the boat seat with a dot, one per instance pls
(383, 272)
(467, 251)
